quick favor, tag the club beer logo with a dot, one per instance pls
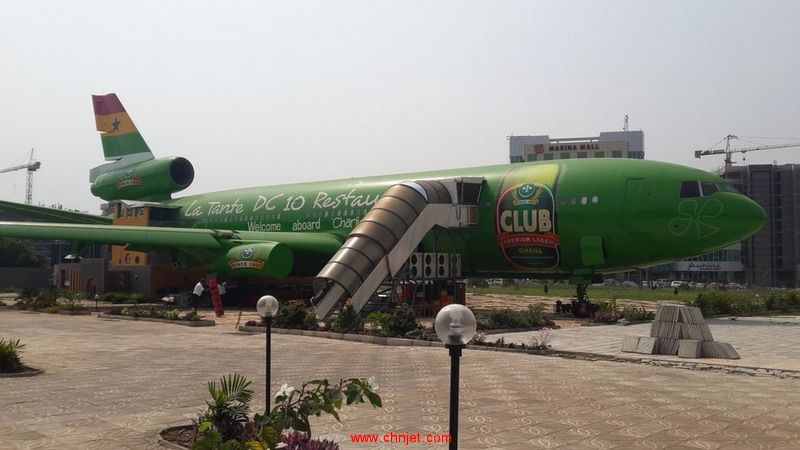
(526, 227)
(246, 260)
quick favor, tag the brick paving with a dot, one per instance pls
(115, 384)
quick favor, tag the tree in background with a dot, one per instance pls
(18, 253)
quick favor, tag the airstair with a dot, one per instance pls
(379, 246)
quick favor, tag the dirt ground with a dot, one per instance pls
(521, 302)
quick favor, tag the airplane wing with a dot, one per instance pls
(52, 214)
(212, 248)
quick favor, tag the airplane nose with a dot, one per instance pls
(751, 217)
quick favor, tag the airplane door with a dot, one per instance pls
(636, 196)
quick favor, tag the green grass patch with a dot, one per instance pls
(595, 293)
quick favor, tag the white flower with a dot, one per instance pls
(285, 391)
(372, 383)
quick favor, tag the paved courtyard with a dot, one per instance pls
(115, 384)
(762, 342)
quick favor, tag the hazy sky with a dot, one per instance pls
(259, 93)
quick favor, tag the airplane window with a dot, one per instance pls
(572, 201)
(690, 189)
(584, 200)
(727, 187)
(708, 187)
(595, 199)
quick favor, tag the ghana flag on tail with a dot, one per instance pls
(117, 131)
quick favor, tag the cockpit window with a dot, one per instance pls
(727, 187)
(708, 187)
(690, 189)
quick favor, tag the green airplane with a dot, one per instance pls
(571, 219)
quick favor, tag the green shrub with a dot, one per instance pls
(483, 322)
(312, 323)
(123, 297)
(10, 360)
(142, 311)
(52, 309)
(172, 314)
(226, 424)
(633, 313)
(72, 305)
(135, 298)
(229, 408)
(609, 306)
(401, 322)
(607, 312)
(535, 314)
(40, 300)
(45, 298)
(379, 320)
(292, 315)
(605, 317)
(506, 318)
(111, 297)
(348, 321)
(722, 302)
(782, 301)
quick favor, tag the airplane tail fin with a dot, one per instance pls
(117, 132)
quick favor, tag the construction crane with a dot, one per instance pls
(728, 150)
(31, 166)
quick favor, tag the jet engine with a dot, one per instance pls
(262, 259)
(152, 180)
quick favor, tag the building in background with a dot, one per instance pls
(771, 257)
(610, 144)
(722, 266)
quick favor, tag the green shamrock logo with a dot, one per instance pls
(693, 218)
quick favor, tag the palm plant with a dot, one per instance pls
(10, 361)
(229, 407)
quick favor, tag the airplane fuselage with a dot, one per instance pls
(565, 217)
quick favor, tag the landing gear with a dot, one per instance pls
(581, 295)
(581, 306)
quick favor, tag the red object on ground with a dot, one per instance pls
(216, 299)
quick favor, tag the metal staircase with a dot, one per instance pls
(380, 244)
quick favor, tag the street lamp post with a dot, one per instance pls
(455, 325)
(267, 308)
